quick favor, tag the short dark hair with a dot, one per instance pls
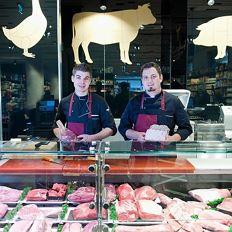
(82, 67)
(150, 65)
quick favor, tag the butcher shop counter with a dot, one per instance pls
(172, 170)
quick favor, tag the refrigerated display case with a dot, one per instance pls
(126, 186)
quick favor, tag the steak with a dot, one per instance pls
(37, 195)
(82, 195)
(212, 225)
(145, 193)
(149, 210)
(206, 195)
(126, 210)
(125, 192)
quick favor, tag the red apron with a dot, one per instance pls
(144, 121)
(79, 127)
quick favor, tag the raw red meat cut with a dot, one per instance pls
(37, 195)
(9, 194)
(226, 205)
(216, 216)
(83, 212)
(126, 210)
(192, 227)
(125, 192)
(90, 226)
(206, 195)
(3, 210)
(171, 221)
(82, 195)
(155, 228)
(149, 210)
(110, 193)
(22, 226)
(57, 192)
(72, 227)
(182, 211)
(29, 212)
(212, 225)
(145, 193)
(164, 200)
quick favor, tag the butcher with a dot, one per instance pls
(86, 115)
(154, 106)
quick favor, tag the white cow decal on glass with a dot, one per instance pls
(108, 28)
(216, 32)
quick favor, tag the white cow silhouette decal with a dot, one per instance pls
(108, 28)
(216, 32)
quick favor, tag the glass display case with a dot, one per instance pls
(116, 186)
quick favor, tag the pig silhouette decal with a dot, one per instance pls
(108, 28)
(216, 32)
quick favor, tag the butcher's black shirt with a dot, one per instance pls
(101, 114)
(174, 114)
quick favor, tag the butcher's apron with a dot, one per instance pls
(78, 127)
(144, 121)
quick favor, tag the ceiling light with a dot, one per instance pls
(103, 6)
(211, 2)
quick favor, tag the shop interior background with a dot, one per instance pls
(31, 88)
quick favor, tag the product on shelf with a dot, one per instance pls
(145, 193)
(126, 210)
(3, 210)
(110, 193)
(163, 228)
(125, 192)
(206, 195)
(72, 227)
(226, 205)
(84, 212)
(57, 192)
(9, 194)
(37, 195)
(22, 225)
(82, 195)
(149, 210)
(89, 227)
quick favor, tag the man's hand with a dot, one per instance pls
(85, 138)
